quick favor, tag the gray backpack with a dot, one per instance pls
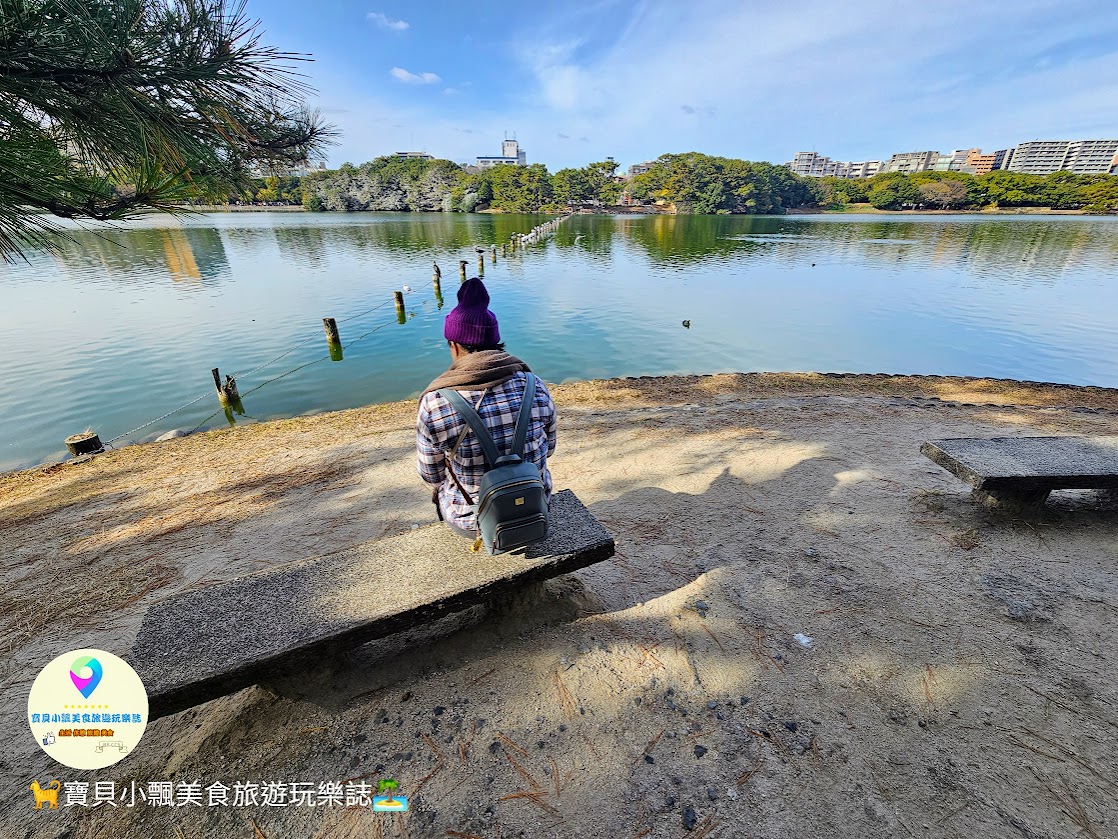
(511, 506)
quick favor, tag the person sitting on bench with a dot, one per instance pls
(449, 459)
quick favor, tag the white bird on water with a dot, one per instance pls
(407, 289)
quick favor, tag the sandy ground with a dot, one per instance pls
(960, 681)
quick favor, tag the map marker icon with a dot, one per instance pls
(86, 684)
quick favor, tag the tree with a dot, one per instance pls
(600, 182)
(570, 187)
(837, 192)
(519, 189)
(1101, 194)
(699, 183)
(893, 191)
(270, 191)
(1013, 189)
(944, 194)
(110, 108)
(389, 786)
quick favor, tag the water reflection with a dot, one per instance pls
(302, 244)
(1024, 250)
(185, 255)
(987, 248)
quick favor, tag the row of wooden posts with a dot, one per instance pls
(227, 392)
(230, 398)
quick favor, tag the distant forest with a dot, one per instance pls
(685, 183)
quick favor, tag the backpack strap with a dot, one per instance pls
(450, 455)
(466, 411)
(525, 418)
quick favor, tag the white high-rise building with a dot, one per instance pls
(511, 154)
(913, 161)
(1087, 157)
(812, 165)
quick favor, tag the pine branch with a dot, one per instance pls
(110, 107)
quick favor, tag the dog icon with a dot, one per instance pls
(46, 796)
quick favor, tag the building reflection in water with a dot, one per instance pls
(193, 256)
(181, 264)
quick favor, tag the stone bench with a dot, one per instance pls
(1020, 472)
(214, 641)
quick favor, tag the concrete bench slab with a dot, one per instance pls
(214, 641)
(1022, 471)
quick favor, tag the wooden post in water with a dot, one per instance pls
(462, 269)
(228, 396)
(333, 340)
(401, 315)
(226, 393)
(85, 443)
(493, 254)
(480, 262)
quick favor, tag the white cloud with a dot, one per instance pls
(385, 22)
(400, 74)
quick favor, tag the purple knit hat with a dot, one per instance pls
(471, 322)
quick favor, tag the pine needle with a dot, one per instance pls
(535, 797)
(509, 742)
(524, 773)
(434, 748)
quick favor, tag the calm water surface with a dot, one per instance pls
(125, 326)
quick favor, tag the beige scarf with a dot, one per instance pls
(479, 370)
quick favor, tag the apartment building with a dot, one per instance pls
(863, 169)
(1092, 156)
(812, 165)
(1003, 157)
(913, 161)
(640, 168)
(978, 163)
(1042, 157)
(955, 162)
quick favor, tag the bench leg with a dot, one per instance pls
(1013, 502)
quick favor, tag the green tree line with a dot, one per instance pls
(963, 191)
(688, 183)
(691, 183)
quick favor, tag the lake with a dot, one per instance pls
(123, 326)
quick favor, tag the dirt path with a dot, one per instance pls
(959, 682)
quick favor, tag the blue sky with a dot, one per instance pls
(580, 80)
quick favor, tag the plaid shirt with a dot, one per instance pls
(439, 426)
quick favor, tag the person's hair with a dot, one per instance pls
(500, 345)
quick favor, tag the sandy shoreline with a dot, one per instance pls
(960, 680)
